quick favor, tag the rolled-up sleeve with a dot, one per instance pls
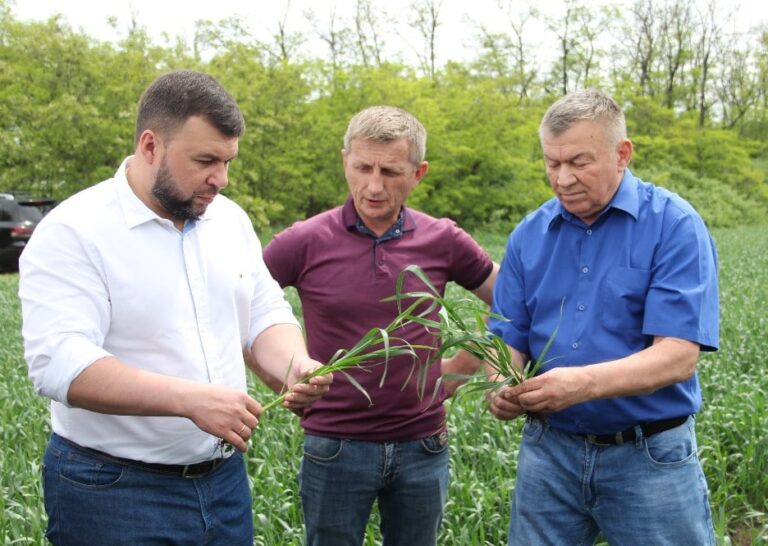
(65, 309)
(268, 306)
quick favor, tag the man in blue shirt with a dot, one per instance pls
(609, 444)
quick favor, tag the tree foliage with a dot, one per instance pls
(695, 99)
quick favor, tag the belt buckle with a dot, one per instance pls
(185, 473)
(594, 440)
(203, 470)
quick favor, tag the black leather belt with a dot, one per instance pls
(652, 427)
(197, 470)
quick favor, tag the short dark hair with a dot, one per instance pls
(176, 96)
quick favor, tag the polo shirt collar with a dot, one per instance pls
(625, 199)
(350, 217)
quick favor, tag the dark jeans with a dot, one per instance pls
(94, 501)
(647, 491)
(341, 479)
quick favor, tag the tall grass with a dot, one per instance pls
(733, 424)
(732, 428)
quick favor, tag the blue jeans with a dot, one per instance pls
(93, 500)
(341, 479)
(648, 491)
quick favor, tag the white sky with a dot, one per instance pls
(456, 37)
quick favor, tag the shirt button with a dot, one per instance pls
(581, 307)
(585, 270)
(589, 232)
(575, 345)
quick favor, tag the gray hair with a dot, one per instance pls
(387, 124)
(586, 104)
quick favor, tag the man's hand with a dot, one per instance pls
(462, 363)
(554, 390)
(279, 353)
(503, 404)
(224, 412)
(667, 361)
(110, 386)
(305, 394)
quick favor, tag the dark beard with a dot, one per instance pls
(165, 190)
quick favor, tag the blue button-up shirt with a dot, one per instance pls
(646, 267)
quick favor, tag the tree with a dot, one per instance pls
(368, 37)
(507, 57)
(710, 29)
(643, 48)
(67, 107)
(271, 172)
(339, 39)
(66, 118)
(426, 20)
(286, 42)
(738, 84)
(578, 31)
(675, 46)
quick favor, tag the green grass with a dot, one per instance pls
(732, 429)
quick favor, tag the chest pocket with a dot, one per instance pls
(622, 298)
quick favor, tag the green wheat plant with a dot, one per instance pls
(374, 349)
(457, 332)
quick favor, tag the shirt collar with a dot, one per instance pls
(405, 221)
(135, 211)
(625, 199)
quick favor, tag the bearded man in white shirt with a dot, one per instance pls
(139, 295)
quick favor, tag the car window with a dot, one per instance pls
(31, 213)
(5, 212)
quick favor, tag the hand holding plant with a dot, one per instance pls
(452, 331)
(375, 348)
(456, 332)
(306, 385)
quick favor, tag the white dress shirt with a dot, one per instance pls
(103, 275)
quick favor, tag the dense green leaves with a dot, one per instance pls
(67, 108)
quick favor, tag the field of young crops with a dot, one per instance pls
(732, 428)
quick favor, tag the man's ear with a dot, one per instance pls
(148, 146)
(624, 151)
(421, 170)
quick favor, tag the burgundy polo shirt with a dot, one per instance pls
(341, 276)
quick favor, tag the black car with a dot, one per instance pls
(19, 214)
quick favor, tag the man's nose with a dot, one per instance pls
(565, 176)
(219, 177)
(375, 182)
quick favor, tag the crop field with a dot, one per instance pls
(732, 429)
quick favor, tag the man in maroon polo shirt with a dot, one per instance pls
(343, 262)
